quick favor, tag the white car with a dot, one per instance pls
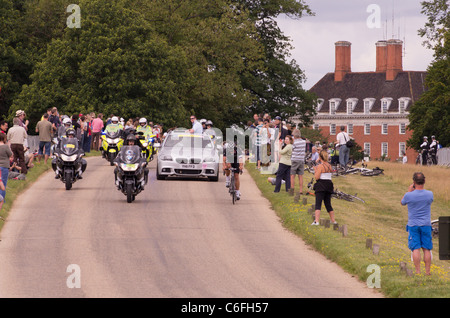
(183, 154)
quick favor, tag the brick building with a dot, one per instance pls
(373, 106)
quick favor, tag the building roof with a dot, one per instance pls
(361, 85)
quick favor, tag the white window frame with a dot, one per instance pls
(332, 129)
(334, 102)
(367, 149)
(386, 101)
(351, 104)
(366, 129)
(368, 104)
(320, 102)
(402, 128)
(401, 148)
(383, 145)
(403, 103)
(383, 130)
(350, 129)
(316, 126)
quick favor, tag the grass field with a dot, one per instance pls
(382, 218)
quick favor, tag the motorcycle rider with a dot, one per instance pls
(67, 124)
(115, 126)
(70, 134)
(424, 146)
(143, 127)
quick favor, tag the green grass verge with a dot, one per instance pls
(15, 187)
(381, 218)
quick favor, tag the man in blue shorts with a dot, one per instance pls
(419, 221)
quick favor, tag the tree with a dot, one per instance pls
(277, 86)
(430, 115)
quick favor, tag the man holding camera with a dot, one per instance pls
(419, 221)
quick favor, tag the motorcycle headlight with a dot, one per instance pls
(150, 140)
(116, 141)
(145, 144)
(68, 158)
(129, 166)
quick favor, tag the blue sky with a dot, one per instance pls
(313, 37)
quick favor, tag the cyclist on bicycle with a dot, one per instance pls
(236, 161)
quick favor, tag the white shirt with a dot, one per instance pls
(342, 138)
(197, 127)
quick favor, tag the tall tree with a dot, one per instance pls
(430, 115)
(278, 85)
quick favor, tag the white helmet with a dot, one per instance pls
(67, 121)
(114, 119)
(202, 121)
(143, 121)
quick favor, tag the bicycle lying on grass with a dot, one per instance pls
(363, 171)
(336, 194)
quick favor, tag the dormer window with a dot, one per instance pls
(402, 104)
(351, 103)
(334, 104)
(319, 104)
(368, 104)
(385, 104)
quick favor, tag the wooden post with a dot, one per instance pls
(305, 201)
(327, 223)
(336, 227)
(344, 230)
(376, 249)
(369, 243)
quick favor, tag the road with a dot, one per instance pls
(180, 238)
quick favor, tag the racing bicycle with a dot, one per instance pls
(232, 186)
(336, 194)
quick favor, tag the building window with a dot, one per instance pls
(402, 129)
(319, 104)
(366, 129)
(384, 149)
(350, 129)
(332, 108)
(367, 149)
(316, 126)
(384, 129)
(366, 107)
(401, 149)
(349, 108)
(401, 107)
(384, 107)
(332, 129)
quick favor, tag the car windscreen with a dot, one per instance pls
(191, 141)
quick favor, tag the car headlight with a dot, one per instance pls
(209, 159)
(68, 158)
(129, 166)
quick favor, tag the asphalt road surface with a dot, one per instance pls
(179, 238)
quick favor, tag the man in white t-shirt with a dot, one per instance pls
(344, 151)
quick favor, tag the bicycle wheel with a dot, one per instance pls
(372, 173)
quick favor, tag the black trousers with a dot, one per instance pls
(283, 173)
(326, 198)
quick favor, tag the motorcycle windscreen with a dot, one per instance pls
(130, 154)
(113, 134)
(69, 146)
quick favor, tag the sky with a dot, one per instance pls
(313, 37)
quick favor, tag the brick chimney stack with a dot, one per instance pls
(381, 56)
(394, 63)
(343, 60)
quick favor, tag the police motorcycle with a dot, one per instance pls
(112, 140)
(131, 172)
(147, 140)
(68, 163)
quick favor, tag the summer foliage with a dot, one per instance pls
(160, 59)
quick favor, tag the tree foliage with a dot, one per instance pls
(430, 115)
(217, 59)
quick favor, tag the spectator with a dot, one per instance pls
(323, 187)
(284, 166)
(297, 163)
(17, 136)
(3, 126)
(87, 134)
(419, 228)
(405, 158)
(314, 154)
(44, 128)
(20, 114)
(197, 128)
(97, 126)
(54, 119)
(257, 141)
(5, 154)
(344, 151)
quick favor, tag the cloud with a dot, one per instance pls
(313, 38)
